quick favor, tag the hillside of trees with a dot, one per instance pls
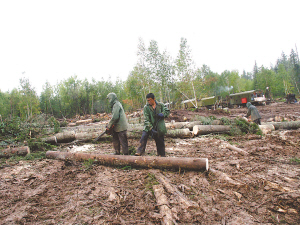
(172, 79)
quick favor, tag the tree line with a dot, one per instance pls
(171, 79)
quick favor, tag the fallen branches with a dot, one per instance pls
(197, 164)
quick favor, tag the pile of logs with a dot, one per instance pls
(174, 130)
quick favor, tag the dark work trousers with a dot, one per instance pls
(159, 140)
(120, 138)
(257, 121)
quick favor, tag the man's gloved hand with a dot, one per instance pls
(153, 133)
(160, 115)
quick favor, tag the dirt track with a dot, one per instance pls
(264, 188)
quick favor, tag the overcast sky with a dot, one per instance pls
(54, 40)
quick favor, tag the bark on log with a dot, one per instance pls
(8, 152)
(64, 137)
(180, 133)
(197, 164)
(191, 125)
(162, 202)
(176, 125)
(207, 129)
(286, 125)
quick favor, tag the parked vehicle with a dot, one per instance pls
(256, 97)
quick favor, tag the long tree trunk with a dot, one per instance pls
(87, 135)
(197, 164)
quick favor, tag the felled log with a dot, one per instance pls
(266, 128)
(197, 164)
(286, 125)
(180, 133)
(63, 137)
(20, 151)
(190, 125)
(176, 125)
(210, 129)
(162, 202)
(79, 122)
(174, 190)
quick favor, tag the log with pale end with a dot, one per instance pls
(266, 128)
(182, 163)
(210, 129)
(20, 151)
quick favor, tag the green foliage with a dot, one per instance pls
(295, 160)
(30, 157)
(225, 121)
(126, 168)
(38, 145)
(150, 181)
(131, 150)
(10, 127)
(54, 124)
(172, 79)
(203, 119)
(88, 164)
(241, 126)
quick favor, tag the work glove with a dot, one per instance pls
(153, 133)
(160, 115)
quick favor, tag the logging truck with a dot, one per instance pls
(256, 97)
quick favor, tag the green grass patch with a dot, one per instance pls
(150, 181)
(295, 160)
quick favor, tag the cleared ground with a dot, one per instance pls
(259, 188)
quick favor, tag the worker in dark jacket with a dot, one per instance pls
(253, 113)
(120, 123)
(154, 125)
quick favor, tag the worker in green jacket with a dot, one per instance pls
(253, 113)
(120, 123)
(154, 125)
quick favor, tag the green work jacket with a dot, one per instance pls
(252, 110)
(118, 115)
(151, 119)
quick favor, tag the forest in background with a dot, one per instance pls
(171, 79)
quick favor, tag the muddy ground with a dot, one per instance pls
(264, 186)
